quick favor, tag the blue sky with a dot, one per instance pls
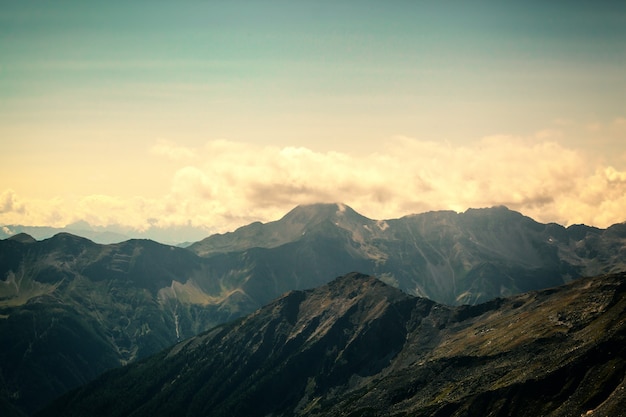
(89, 90)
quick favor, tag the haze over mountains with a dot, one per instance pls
(71, 308)
(174, 235)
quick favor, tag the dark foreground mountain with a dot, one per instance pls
(357, 347)
(71, 309)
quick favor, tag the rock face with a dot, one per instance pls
(358, 347)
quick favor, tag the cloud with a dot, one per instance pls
(540, 178)
(226, 184)
(10, 204)
(102, 210)
(171, 150)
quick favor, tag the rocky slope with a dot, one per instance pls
(451, 258)
(357, 347)
(70, 308)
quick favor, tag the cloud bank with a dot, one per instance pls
(226, 184)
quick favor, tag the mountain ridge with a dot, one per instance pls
(269, 235)
(357, 346)
(174, 235)
(371, 241)
(131, 299)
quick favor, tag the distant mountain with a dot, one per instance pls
(81, 229)
(451, 258)
(357, 347)
(292, 227)
(71, 308)
(174, 235)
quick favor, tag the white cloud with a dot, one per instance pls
(10, 204)
(539, 178)
(172, 150)
(226, 184)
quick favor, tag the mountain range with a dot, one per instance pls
(448, 257)
(358, 347)
(173, 235)
(71, 309)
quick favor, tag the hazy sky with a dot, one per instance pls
(218, 113)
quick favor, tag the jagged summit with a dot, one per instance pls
(495, 213)
(314, 213)
(355, 286)
(348, 284)
(332, 300)
(326, 217)
(291, 227)
(354, 280)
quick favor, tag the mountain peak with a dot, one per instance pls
(355, 283)
(22, 238)
(291, 227)
(500, 212)
(306, 217)
(65, 237)
(313, 213)
(350, 288)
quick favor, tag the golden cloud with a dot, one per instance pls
(225, 184)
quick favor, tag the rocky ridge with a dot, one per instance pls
(358, 347)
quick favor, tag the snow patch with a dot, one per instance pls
(382, 225)
(177, 323)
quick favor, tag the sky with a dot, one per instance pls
(214, 114)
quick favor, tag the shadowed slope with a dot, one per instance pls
(359, 347)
